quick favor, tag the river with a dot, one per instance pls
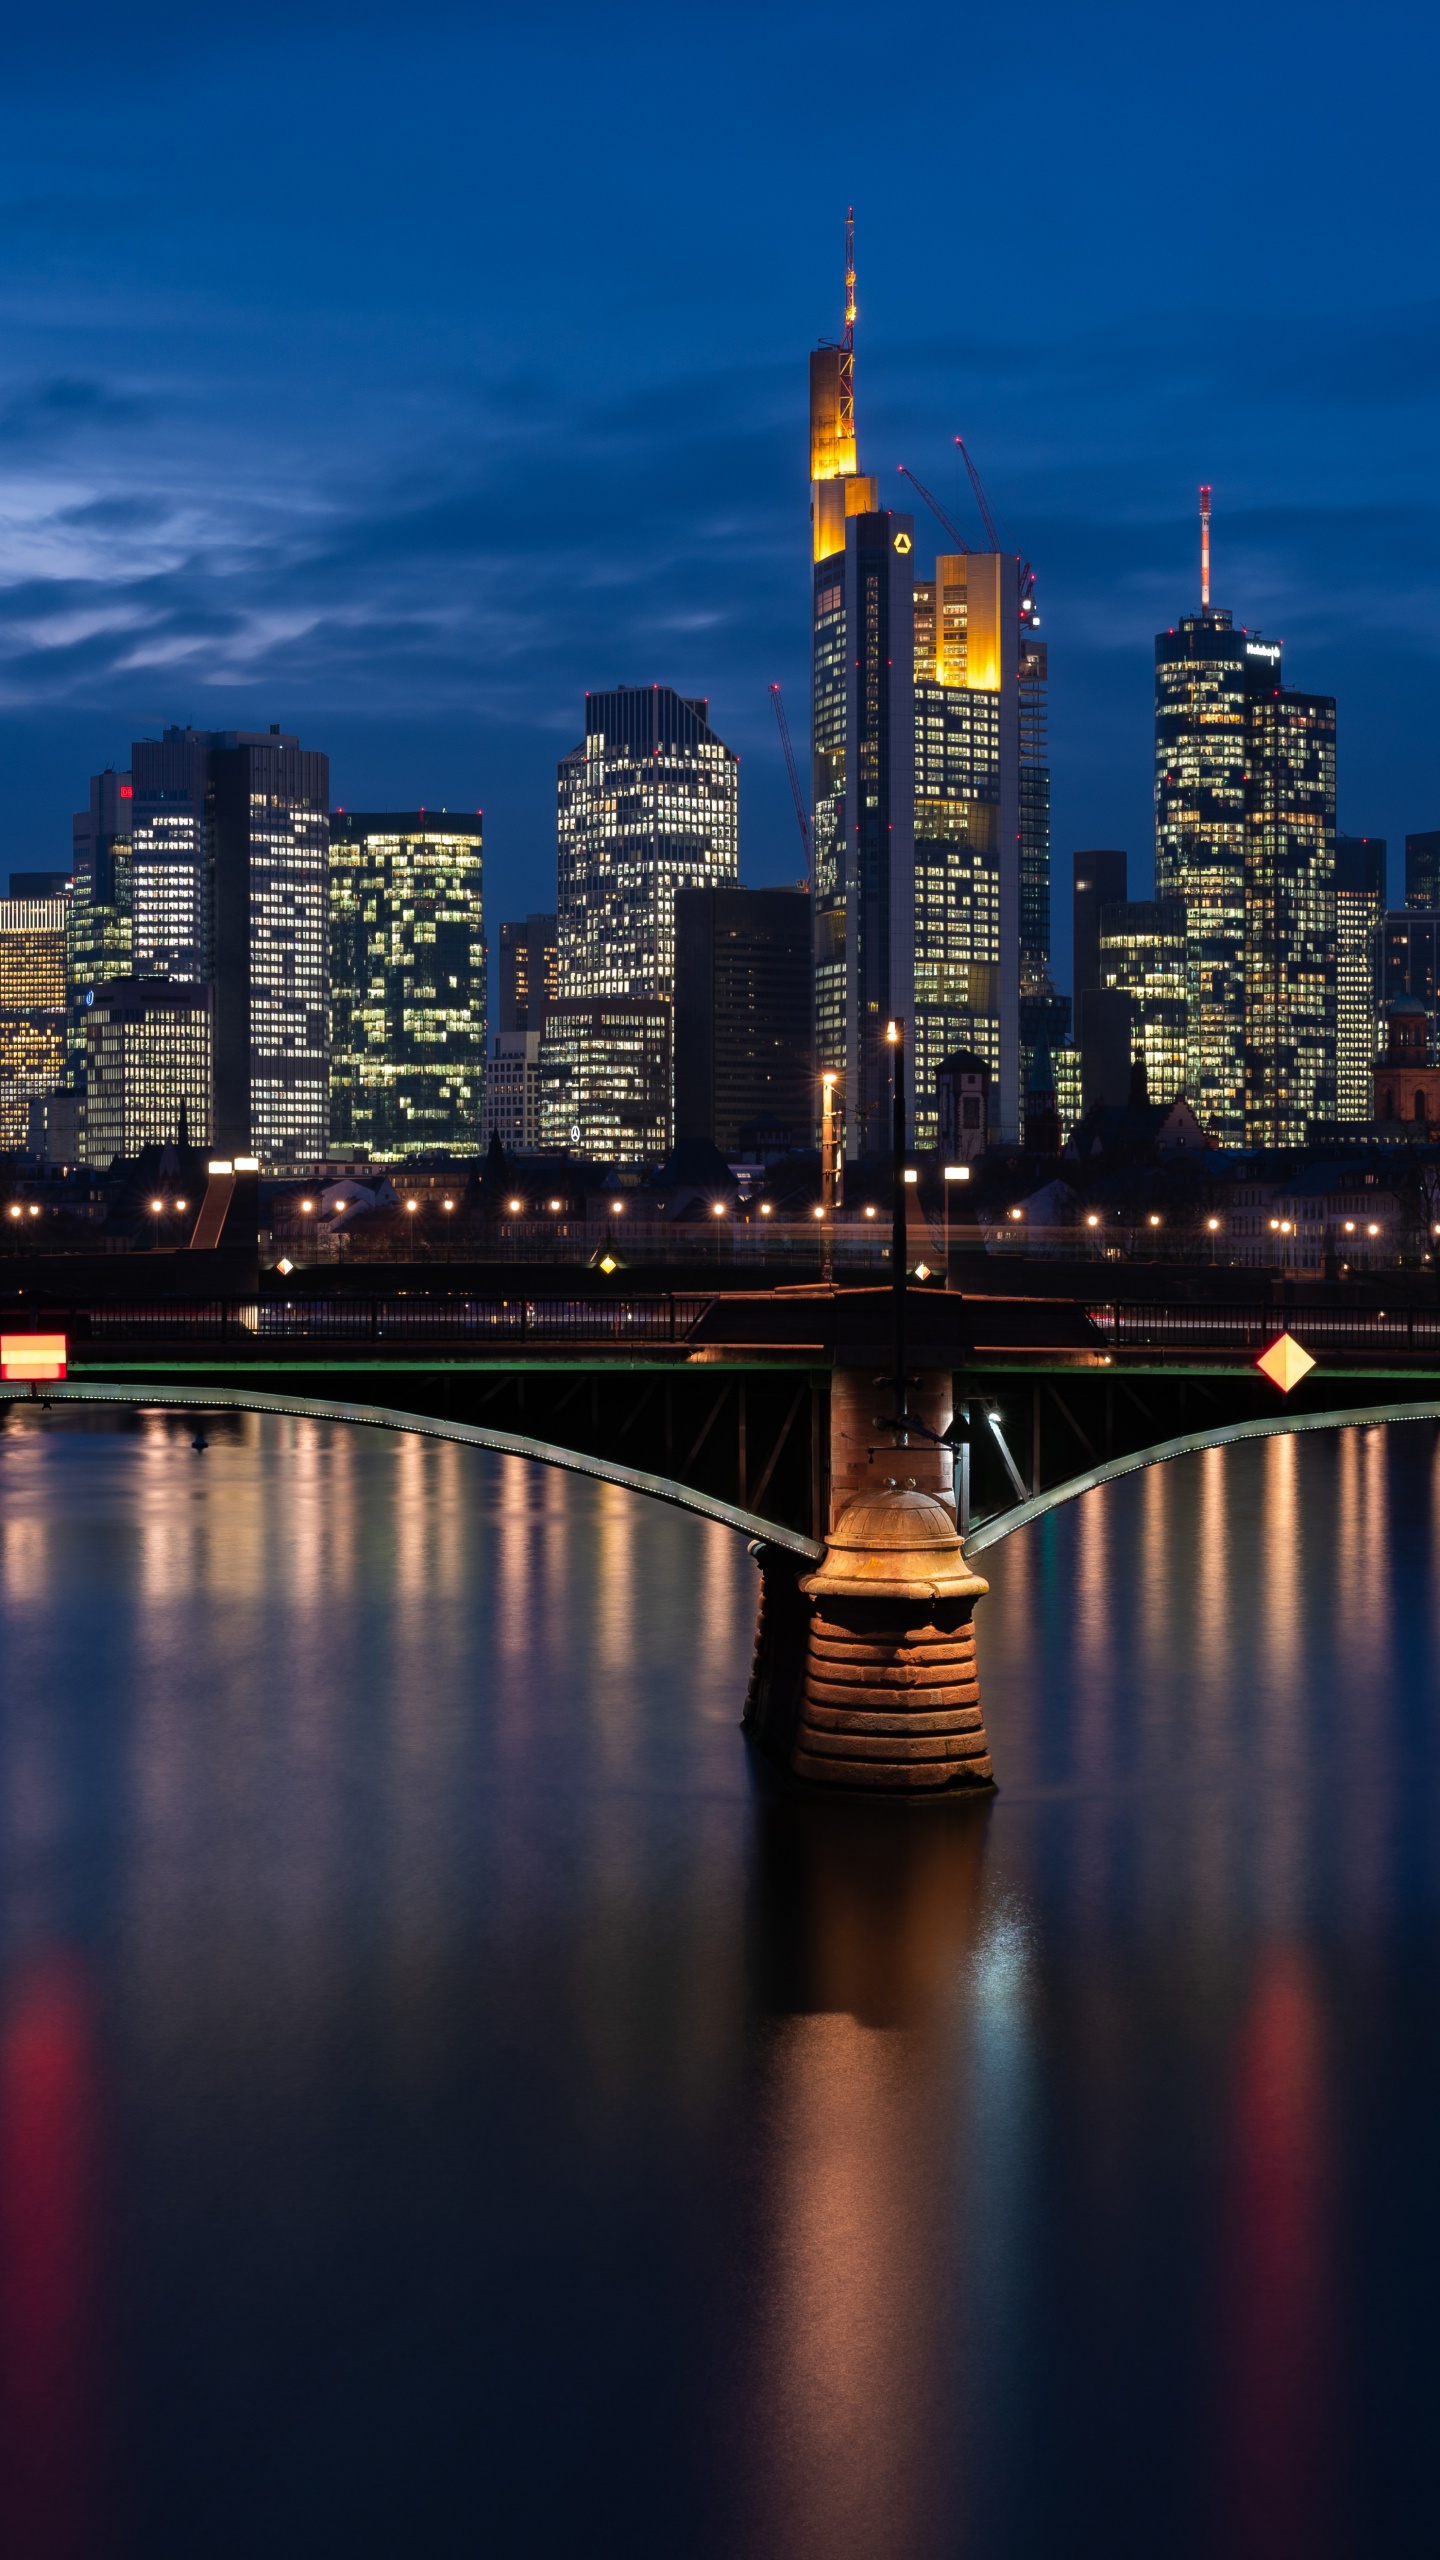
(451, 2103)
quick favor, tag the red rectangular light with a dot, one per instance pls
(32, 1355)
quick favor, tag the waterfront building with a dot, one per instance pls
(529, 971)
(1359, 912)
(1142, 955)
(930, 793)
(1245, 839)
(406, 982)
(605, 1078)
(1409, 965)
(32, 1009)
(148, 1067)
(743, 990)
(512, 1091)
(1422, 870)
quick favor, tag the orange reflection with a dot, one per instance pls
(49, 2268)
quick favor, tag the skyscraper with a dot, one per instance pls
(269, 813)
(743, 986)
(648, 804)
(1422, 870)
(529, 971)
(1245, 839)
(171, 865)
(1102, 1014)
(1359, 908)
(605, 1078)
(100, 925)
(407, 982)
(1142, 954)
(32, 1009)
(148, 1067)
(927, 709)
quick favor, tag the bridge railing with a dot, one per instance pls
(518, 1320)
(1360, 1332)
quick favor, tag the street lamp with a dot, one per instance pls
(449, 1208)
(832, 1170)
(953, 1173)
(411, 1205)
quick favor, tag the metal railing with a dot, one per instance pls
(1356, 1330)
(519, 1320)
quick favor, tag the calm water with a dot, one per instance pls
(448, 2106)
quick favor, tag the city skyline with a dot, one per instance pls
(272, 453)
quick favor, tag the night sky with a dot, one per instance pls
(398, 373)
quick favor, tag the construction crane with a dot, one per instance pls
(981, 501)
(935, 508)
(801, 819)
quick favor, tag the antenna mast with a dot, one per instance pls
(1205, 549)
(847, 337)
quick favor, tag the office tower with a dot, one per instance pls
(930, 795)
(1409, 965)
(648, 804)
(1100, 880)
(743, 992)
(171, 854)
(605, 1078)
(512, 1091)
(148, 1067)
(100, 925)
(1069, 1086)
(407, 982)
(1245, 837)
(529, 971)
(32, 1009)
(1102, 1017)
(1359, 908)
(1422, 870)
(1042, 1111)
(269, 819)
(1142, 954)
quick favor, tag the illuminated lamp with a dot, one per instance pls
(1285, 1363)
(869, 1210)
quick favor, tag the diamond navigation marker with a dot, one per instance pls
(1285, 1364)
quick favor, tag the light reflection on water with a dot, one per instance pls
(448, 2099)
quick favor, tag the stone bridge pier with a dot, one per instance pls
(865, 1675)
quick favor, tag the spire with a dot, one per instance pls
(1205, 548)
(847, 342)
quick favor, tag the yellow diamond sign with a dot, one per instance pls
(1285, 1364)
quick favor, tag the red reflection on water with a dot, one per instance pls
(1276, 2471)
(49, 2267)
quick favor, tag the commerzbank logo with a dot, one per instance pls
(904, 543)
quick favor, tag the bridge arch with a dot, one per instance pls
(471, 1435)
(1003, 1524)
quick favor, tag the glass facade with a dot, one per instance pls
(268, 806)
(1359, 908)
(32, 1009)
(605, 1079)
(148, 1067)
(171, 873)
(1142, 952)
(529, 971)
(407, 983)
(512, 1091)
(100, 926)
(743, 1050)
(1245, 840)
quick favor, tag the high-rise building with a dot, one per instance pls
(1102, 1015)
(1359, 908)
(529, 971)
(148, 1067)
(407, 982)
(1142, 953)
(512, 1092)
(1409, 966)
(1100, 880)
(269, 815)
(32, 1009)
(605, 1078)
(100, 925)
(1245, 838)
(743, 989)
(172, 872)
(1422, 870)
(930, 794)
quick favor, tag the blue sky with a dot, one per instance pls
(399, 373)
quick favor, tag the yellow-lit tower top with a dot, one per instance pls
(838, 488)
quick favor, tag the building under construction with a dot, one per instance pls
(930, 831)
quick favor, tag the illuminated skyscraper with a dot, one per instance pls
(648, 805)
(1359, 908)
(268, 810)
(32, 1009)
(529, 971)
(171, 867)
(148, 1069)
(928, 787)
(1245, 839)
(1142, 954)
(100, 929)
(407, 982)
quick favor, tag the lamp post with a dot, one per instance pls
(953, 1173)
(411, 1205)
(831, 1176)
